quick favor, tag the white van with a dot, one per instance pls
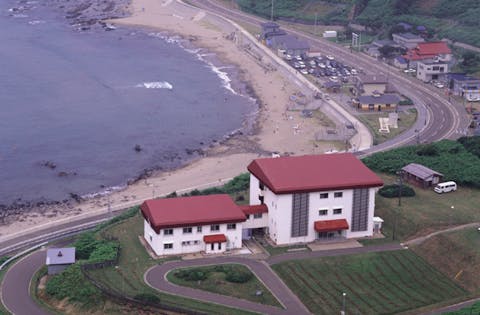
(445, 187)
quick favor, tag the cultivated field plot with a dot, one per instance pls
(375, 283)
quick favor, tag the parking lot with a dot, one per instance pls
(322, 66)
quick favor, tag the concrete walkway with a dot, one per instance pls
(156, 278)
(420, 240)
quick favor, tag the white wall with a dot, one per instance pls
(254, 190)
(280, 215)
(254, 223)
(157, 241)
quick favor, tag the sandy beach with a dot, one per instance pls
(276, 129)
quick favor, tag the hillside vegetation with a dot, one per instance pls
(454, 19)
(455, 161)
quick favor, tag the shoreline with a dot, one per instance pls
(273, 129)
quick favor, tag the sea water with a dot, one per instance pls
(75, 105)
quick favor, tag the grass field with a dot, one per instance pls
(375, 283)
(427, 211)
(127, 277)
(405, 121)
(455, 254)
(216, 282)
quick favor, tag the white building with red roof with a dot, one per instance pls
(210, 224)
(429, 52)
(330, 196)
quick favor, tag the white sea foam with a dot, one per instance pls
(156, 85)
(35, 22)
(20, 16)
(105, 192)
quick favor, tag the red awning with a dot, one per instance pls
(254, 209)
(215, 238)
(331, 225)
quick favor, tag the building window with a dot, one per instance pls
(261, 198)
(324, 196)
(337, 211)
(338, 194)
(260, 186)
(151, 238)
(195, 242)
(184, 243)
(231, 226)
(323, 212)
(168, 246)
(248, 217)
(199, 229)
(168, 232)
(187, 230)
(214, 227)
(257, 215)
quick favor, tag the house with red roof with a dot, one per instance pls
(294, 199)
(311, 197)
(428, 52)
(210, 224)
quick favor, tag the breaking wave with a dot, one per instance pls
(156, 85)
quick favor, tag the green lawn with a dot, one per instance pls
(457, 255)
(127, 277)
(216, 282)
(375, 283)
(427, 211)
(405, 121)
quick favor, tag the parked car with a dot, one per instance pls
(330, 57)
(445, 187)
(299, 58)
(288, 57)
(304, 71)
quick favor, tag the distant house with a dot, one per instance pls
(432, 70)
(429, 51)
(377, 102)
(290, 44)
(407, 40)
(420, 175)
(465, 86)
(368, 84)
(406, 26)
(58, 259)
(400, 62)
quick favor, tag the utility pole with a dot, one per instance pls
(271, 15)
(344, 295)
(400, 182)
(315, 27)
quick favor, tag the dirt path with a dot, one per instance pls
(420, 240)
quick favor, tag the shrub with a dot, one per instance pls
(237, 275)
(391, 191)
(104, 251)
(72, 284)
(406, 102)
(85, 245)
(427, 149)
(147, 297)
(195, 274)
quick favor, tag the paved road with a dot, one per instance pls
(444, 119)
(15, 286)
(155, 277)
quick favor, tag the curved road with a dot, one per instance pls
(444, 119)
(156, 278)
(15, 292)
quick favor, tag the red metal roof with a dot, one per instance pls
(433, 48)
(310, 173)
(254, 209)
(215, 238)
(427, 50)
(331, 225)
(191, 211)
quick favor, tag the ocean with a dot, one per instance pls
(84, 112)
